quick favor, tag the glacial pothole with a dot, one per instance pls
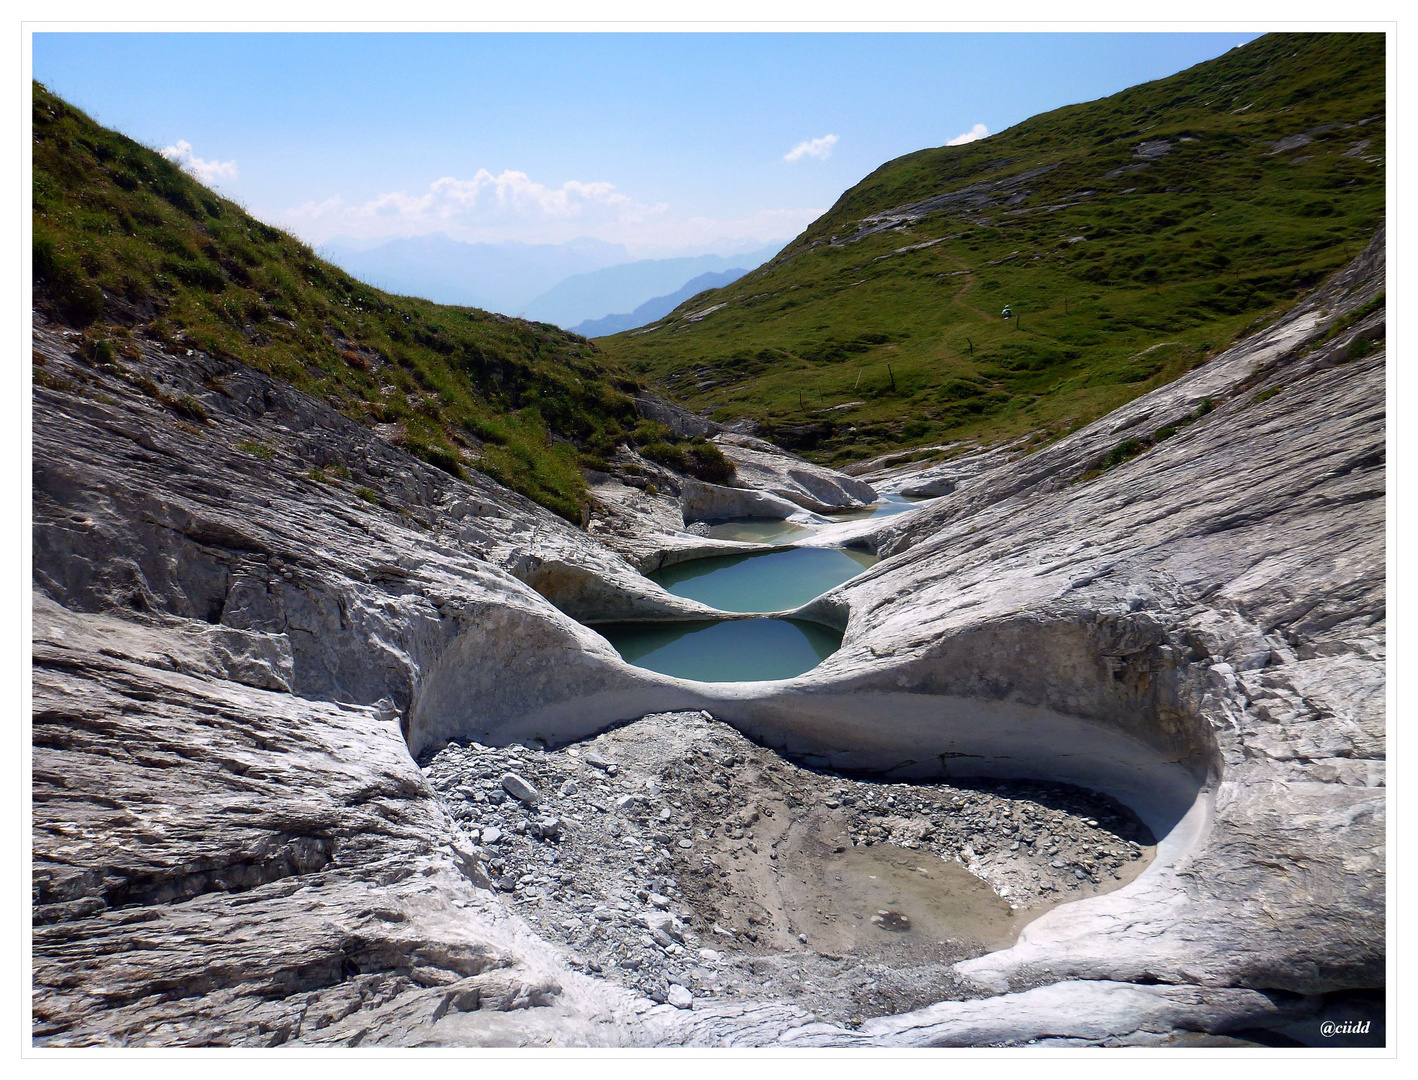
(673, 851)
(762, 581)
(735, 650)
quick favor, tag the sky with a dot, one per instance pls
(669, 144)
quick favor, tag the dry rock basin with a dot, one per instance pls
(1094, 753)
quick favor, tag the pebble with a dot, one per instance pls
(680, 998)
(596, 759)
(520, 789)
(491, 834)
(657, 920)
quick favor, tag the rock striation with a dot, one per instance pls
(251, 616)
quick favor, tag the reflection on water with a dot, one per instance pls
(771, 581)
(754, 530)
(741, 650)
(884, 507)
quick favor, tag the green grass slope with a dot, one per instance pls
(1134, 236)
(125, 243)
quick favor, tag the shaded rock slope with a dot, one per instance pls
(250, 614)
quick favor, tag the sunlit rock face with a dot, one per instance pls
(237, 654)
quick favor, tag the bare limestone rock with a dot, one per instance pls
(811, 487)
(714, 502)
(236, 650)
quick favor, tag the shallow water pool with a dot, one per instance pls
(740, 650)
(884, 507)
(771, 581)
(755, 530)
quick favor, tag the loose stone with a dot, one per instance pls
(520, 789)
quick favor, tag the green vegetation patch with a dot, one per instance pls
(1131, 238)
(124, 239)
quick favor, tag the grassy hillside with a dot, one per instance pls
(125, 243)
(1134, 236)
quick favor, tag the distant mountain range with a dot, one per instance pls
(496, 277)
(623, 288)
(659, 306)
(564, 284)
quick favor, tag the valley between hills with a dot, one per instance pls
(832, 662)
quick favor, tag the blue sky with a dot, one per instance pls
(666, 143)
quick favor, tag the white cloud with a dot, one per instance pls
(209, 172)
(485, 201)
(510, 205)
(979, 131)
(813, 148)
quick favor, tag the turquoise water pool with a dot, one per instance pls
(771, 581)
(755, 531)
(884, 507)
(740, 650)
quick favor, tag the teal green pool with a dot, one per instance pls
(739, 650)
(771, 581)
(883, 507)
(755, 530)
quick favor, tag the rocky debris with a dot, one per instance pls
(1291, 142)
(1009, 190)
(686, 855)
(230, 638)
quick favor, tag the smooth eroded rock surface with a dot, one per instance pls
(247, 618)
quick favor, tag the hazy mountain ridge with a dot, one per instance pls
(562, 284)
(623, 288)
(504, 277)
(658, 306)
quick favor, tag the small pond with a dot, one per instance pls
(771, 581)
(769, 531)
(883, 507)
(739, 650)
(755, 530)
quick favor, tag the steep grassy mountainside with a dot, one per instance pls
(1134, 237)
(126, 246)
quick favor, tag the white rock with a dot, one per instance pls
(520, 789)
